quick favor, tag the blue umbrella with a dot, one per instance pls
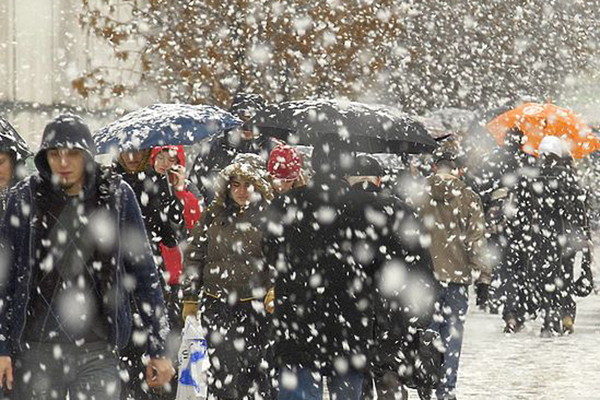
(164, 124)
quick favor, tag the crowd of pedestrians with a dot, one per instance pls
(302, 271)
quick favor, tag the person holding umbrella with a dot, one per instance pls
(396, 316)
(223, 148)
(558, 221)
(330, 255)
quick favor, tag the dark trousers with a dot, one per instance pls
(135, 386)
(238, 346)
(51, 371)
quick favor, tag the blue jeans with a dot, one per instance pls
(449, 321)
(310, 386)
(90, 371)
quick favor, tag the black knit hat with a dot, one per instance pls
(246, 105)
(365, 165)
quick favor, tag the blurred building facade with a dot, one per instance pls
(42, 50)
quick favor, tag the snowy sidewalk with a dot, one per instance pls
(524, 366)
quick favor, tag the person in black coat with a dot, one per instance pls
(12, 170)
(162, 213)
(223, 148)
(333, 245)
(553, 226)
(397, 318)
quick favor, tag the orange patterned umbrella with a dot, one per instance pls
(539, 120)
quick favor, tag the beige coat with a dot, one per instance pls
(453, 217)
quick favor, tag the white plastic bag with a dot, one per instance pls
(193, 363)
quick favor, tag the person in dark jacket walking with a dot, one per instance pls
(398, 320)
(334, 241)
(556, 215)
(229, 275)
(161, 209)
(65, 292)
(12, 170)
(223, 149)
(499, 171)
(162, 213)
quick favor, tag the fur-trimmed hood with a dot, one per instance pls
(247, 166)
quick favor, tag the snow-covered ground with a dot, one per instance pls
(524, 366)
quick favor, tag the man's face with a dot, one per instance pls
(132, 160)
(164, 161)
(68, 166)
(283, 185)
(6, 170)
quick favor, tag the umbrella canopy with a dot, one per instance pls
(370, 128)
(539, 120)
(164, 124)
(10, 140)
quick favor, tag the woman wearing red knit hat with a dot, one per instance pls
(285, 168)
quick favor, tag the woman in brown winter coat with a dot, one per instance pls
(228, 274)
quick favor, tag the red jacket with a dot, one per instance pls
(191, 214)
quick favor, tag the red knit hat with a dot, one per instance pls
(285, 163)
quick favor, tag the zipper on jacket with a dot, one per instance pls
(28, 287)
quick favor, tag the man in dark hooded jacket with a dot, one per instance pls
(74, 238)
(334, 244)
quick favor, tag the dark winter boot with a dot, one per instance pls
(552, 326)
(424, 393)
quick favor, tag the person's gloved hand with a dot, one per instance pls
(270, 301)
(190, 309)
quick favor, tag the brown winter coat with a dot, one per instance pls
(225, 251)
(453, 216)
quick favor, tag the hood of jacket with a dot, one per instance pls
(179, 151)
(66, 131)
(250, 167)
(445, 187)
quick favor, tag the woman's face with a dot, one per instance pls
(241, 191)
(6, 170)
(164, 161)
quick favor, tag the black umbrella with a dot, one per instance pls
(10, 140)
(368, 128)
